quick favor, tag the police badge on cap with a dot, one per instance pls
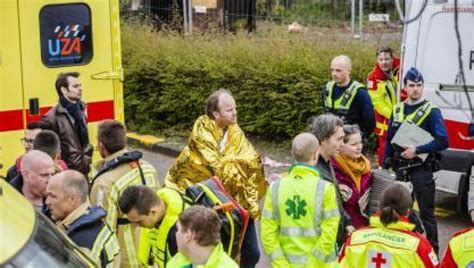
(413, 75)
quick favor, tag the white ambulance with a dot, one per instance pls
(430, 44)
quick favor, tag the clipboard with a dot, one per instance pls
(410, 134)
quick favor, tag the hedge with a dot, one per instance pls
(276, 81)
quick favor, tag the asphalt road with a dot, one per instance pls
(448, 221)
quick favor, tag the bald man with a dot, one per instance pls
(218, 147)
(300, 218)
(348, 98)
(36, 170)
(70, 208)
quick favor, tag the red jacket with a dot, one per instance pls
(375, 77)
(394, 245)
(351, 199)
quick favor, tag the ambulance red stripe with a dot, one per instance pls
(455, 131)
(13, 119)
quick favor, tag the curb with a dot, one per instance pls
(155, 144)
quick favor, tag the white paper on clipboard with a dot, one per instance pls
(411, 134)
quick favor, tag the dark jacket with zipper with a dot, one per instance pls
(76, 155)
(327, 173)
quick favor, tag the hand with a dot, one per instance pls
(350, 229)
(472, 216)
(409, 153)
(346, 192)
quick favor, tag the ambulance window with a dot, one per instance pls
(66, 35)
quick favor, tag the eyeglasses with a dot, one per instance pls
(26, 141)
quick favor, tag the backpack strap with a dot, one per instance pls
(128, 157)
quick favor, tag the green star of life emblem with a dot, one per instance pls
(296, 207)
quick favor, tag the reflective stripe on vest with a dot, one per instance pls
(345, 100)
(103, 241)
(275, 189)
(301, 232)
(383, 127)
(132, 177)
(267, 214)
(324, 257)
(275, 255)
(417, 117)
(318, 205)
(297, 259)
(318, 212)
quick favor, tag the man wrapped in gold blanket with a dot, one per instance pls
(218, 147)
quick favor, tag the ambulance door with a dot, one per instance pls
(11, 99)
(70, 36)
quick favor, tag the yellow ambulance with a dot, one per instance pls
(40, 39)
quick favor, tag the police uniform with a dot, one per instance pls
(426, 116)
(351, 103)
(300, 220)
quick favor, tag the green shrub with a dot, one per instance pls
(276, 81)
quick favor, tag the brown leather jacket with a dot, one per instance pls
(72, 152)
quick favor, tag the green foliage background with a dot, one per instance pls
(276, 81)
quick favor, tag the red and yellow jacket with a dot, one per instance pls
(382, 90)
(394, 245)
(460, 252)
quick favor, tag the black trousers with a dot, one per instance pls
(424, 189)
(250, 254)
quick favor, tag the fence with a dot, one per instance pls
(188, 16)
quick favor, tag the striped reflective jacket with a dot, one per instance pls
(106, 191)
(300, 220)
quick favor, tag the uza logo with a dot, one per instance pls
(66, 42)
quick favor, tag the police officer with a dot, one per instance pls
(404, 160)
(460, 252)
(348, 98)
(300, 218)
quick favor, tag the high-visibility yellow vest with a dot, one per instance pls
(417, 117)
(341, 105)
(381, 246)
(462, 249)
(128, 233)
(300, 220)
(217, 259)
(154, 242)
(384, 99)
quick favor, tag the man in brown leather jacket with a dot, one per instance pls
(68, 120)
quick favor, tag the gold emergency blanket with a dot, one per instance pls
(238, 166)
